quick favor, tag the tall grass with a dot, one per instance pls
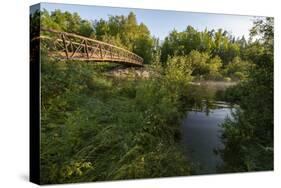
(95, 127)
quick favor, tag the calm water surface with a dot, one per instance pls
(201, 136)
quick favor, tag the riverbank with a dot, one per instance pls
(96, 127)
(216, 84)
(131, 72)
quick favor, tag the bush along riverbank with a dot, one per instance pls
(248, 137)
(96, 127)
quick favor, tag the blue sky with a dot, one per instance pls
(161, 22)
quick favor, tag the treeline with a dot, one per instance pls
(215, 55)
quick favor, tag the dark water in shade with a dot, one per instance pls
(201, 136)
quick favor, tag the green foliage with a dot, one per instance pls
(66, 21)
(179, 70)
(199, 65)
(198, 62)
(214, 66)
(126, 32)
(238, 69)
(218, 43)
(232, 94)
(211, 53)
(249, 136)
(94, 127)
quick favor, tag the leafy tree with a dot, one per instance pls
(218, 43)
(66, 21)
(127, 33)
(237, 69)
(215, 65)
(198, 63)
(249, 137)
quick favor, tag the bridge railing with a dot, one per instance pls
(65, 45)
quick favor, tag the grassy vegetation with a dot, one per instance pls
(96, 127)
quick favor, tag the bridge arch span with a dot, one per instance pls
(65, 45)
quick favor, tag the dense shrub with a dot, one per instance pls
(99, 128)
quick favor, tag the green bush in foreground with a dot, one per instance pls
(99, 128)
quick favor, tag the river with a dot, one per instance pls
(201, 132)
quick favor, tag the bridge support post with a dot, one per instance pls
(111, 54)
(86, 49)
(65, 45)
(101, 56)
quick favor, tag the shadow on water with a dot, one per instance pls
(201, 129)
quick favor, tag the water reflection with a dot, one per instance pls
(201, 129)
(201, 136)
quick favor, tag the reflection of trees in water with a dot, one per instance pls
(205, 96)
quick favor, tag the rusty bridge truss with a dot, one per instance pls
(64, 45)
